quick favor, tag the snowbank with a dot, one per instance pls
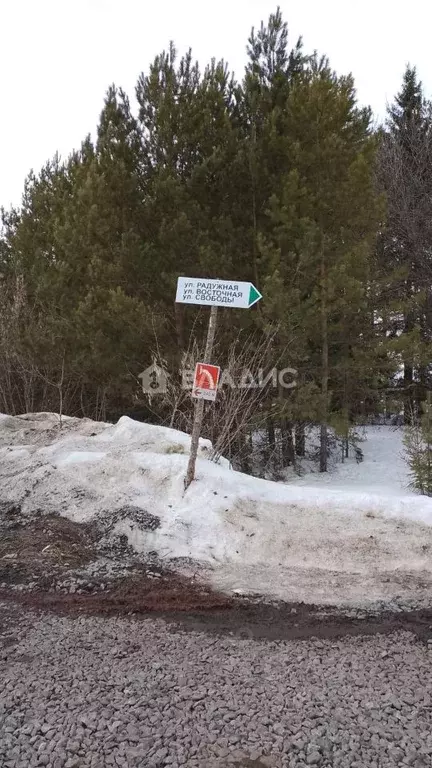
(353, 542)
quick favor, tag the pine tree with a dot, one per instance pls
(270, 73)
(418, 446)
(190, 149)
(404, 247)
(326, 219)
(407, 113)
(105, 257)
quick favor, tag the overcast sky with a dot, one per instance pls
(57, 57)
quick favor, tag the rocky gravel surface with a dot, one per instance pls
(89, 691)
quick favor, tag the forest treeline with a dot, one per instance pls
(282, 179)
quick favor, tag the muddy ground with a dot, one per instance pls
(50, 563)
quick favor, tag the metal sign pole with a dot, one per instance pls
(199, 405)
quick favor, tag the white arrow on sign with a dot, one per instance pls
(216, 293)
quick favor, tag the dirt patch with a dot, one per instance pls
(196, 608)
(301, 622)
(46, 542)
(138, 595)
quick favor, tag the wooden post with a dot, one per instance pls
(199, 405)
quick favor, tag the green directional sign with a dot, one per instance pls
(216, 293)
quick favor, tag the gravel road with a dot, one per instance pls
(88, 691)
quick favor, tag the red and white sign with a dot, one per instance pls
(205, 381)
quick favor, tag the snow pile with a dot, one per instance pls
(364, 538)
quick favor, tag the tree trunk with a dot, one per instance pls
(271, 435)
(422, 389)
(243, 453)
(408, 378)
(253, 176)
(270, 448)
(179, 323)
(288, 454)
(408, 394)
(324, 365)
(323, 448)
(300, 439)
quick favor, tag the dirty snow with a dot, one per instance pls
(354, 536)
